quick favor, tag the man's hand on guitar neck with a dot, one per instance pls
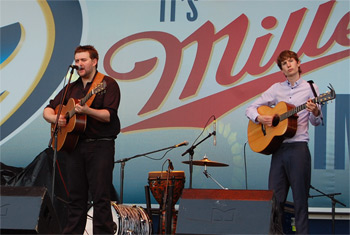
(101, 115)
(81, 109)
(312, 107)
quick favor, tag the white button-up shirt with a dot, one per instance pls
(296, 95)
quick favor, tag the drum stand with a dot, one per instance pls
(205, 172)
(190, 151)
(166, 211)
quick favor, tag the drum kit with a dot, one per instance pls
(131, 219)
(166, 188)
(159, 183)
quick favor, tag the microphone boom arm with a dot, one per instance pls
(122, 165)
(190, 151)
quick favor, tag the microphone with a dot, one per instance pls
(75, 67)
(181, 144)
(171, 167)
(214, 131)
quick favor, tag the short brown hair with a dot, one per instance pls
(91, 49)
(284, 55)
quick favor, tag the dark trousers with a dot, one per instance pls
(291, 167)
(90, 169)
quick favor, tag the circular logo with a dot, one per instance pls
(38, 39)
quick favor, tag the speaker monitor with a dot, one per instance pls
(210, 211)
(27, 210)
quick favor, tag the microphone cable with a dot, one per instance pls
(206, 124)
(158, 159)
(245, 165)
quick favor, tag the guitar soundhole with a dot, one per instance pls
(263, 129)
(275, 120)
(67, 117)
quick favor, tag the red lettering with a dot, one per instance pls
(235, 32)
(312, 40)
(342, 31)
(204, 38)
(253, 64)
(173, 51)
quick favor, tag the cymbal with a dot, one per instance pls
(205, 162)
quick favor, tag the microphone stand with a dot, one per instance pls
(122, 166)
(54, 135)
(334, 201)
(190, 151)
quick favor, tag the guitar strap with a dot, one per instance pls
(312, 87)
(315, 94)
(97, 80)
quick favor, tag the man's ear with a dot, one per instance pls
(94, 62)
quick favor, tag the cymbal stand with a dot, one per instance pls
(334, 201)
(122, 166)
(205, 172)
(54, 135)
(190, 151)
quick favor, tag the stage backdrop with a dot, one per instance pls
(179, 64)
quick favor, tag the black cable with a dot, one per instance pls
(245, 165)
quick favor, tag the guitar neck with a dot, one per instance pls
(71, 113)
(295, 110)
(86, 98)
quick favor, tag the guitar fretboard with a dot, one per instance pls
(296, 110)
(86, 98)
(96, 90)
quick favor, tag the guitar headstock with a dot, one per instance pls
(100, 87)
(329, 95)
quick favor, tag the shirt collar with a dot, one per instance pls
(81, 80)
(297, 83)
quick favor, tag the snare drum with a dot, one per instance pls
(129, 220)
(159, 181)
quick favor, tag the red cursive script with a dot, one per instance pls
(205, 37)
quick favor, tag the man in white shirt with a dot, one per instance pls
(291, 162)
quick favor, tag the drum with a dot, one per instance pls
(159, 181)
(128, 220)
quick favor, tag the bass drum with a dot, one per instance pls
(128, 220)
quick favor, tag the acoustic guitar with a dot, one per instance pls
(68, 136)
(267, 139)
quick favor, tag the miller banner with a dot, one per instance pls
(183, 67)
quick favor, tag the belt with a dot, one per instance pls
(92, 140)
